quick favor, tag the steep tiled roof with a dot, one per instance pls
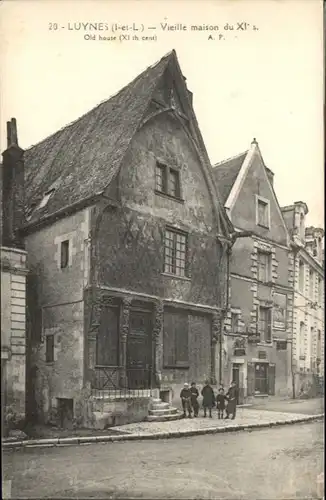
(80, 160)
(225, 174)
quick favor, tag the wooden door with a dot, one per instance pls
(139, 350)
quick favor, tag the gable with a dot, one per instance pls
(256, 195)
(83, 158)
(225, 174)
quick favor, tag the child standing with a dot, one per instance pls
(185, 396)
(194, 398)
(208, 398)
(220, 402)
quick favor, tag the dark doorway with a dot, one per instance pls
(66, 412)
(139, 350)
(236, 378)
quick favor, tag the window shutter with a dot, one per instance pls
(271, 379)
(250, 379)
(108, 337)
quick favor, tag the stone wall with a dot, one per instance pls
(13, 329)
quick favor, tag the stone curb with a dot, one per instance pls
(41, 443)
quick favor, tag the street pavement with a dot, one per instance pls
(244, 417)
(304, 406)
(274, 463)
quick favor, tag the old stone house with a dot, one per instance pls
(127, 246)
(13, 282)
(258, 328)
(308, 305)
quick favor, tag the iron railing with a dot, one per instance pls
(119, 382)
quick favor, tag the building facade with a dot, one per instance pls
(256, 351)
(13, 283)
(308, 306)
(127, 248)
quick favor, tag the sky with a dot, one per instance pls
(265, 81)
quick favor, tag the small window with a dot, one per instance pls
(320, 290)
(49, 348)
(311, 283)
(175, 255)
(64, 254)
(319, 335)
(281, 345)
(234, 322)
(265, 327)
(167, 180)
(301, 276)
(262, 208)
(264, 266)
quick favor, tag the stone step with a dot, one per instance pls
(164, 411)
(166, 418)
(156, 400)
(159, 406)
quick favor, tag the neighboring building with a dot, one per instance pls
(127, 246)
(258, 328)
(13, 280)
(308, 318)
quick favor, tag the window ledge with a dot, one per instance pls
(176, 367)
(265, 344)
(184, 278)
(170, 197)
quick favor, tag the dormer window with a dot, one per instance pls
(46, 198)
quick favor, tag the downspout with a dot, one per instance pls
(224, 313)
(295, 253)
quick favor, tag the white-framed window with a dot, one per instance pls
(262, 212)
(175, 252)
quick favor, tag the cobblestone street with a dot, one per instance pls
(276, 463)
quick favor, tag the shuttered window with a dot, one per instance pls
(175, 341)
(107, 341)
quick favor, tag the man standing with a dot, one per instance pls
(194, 398)
(185, 396)
(208, 398)
(232, 396)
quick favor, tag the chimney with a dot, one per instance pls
(13, 206)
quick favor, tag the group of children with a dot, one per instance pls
(189, 399)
